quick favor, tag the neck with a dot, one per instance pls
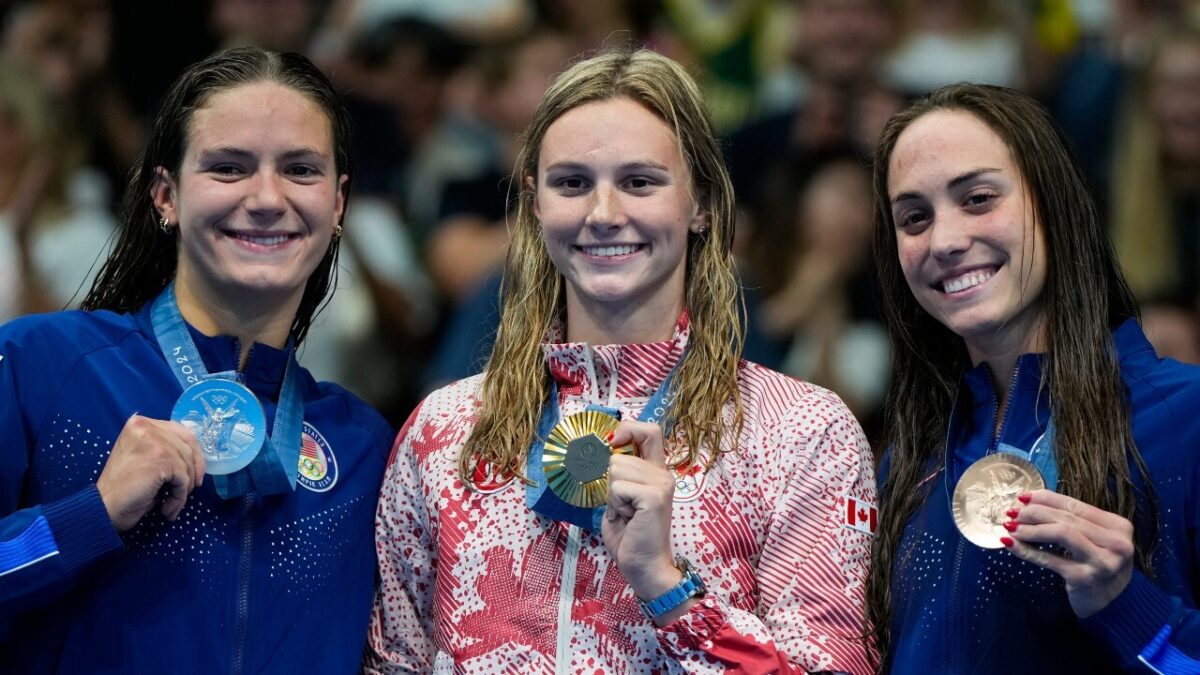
(1001, 354)
(248, 318)
(621, 324)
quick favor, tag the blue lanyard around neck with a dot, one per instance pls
(1040, 454)
(538, 496)
(274, 469)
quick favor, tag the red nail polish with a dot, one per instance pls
(1012, 513)
(1024, 499)
(610, 435)
(1007, 541)
(1011, 526)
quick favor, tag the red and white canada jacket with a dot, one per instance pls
(475, 582)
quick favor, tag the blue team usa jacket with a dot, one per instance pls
(959, 608)
(281, 583)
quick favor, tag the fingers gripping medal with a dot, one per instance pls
(576, 459)
(987, 490)
(228, 422)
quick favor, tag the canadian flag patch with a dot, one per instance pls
(861, 516)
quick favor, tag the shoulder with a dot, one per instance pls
(442, 420)
(357, 411)
(797, 424)
(457, 399)
(771, 397)
(71, 329)
(1164, 398)
(54, 342)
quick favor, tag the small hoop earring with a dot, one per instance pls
(164, 224)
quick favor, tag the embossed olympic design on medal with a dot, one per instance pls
(576, 458)
(228, 422)
(986, 491)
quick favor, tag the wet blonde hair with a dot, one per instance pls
(516, 381)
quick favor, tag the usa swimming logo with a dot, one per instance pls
(318, 467)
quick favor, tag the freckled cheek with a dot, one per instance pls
(910, 258)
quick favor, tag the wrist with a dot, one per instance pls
(662, 577)
(676, 600)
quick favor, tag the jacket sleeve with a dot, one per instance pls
(812, 565)
(45, 547)
(400, 639)
(1149, 630)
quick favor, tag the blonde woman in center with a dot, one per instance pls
(734, 536)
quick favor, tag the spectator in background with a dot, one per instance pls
(590, 24)
(471, 237)
(840, 103)
(68, 44)
(279, 25)
(810, 257)
(947, 41)
(409, 143)
(732, 47)
(1155, 190)
(468, 247)
(54, 218)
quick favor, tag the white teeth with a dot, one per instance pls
(966, 281)
(609, 251)
(263, 241)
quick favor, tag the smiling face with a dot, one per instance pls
(615, 202)
(256, 197)
(969, 242)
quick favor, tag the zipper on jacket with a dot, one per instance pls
(998, 430)
(956, 625)
(566, 598)
(243, 603)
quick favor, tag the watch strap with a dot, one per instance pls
(691, 586)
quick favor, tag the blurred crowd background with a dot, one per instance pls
(441, 89)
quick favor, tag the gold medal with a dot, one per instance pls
(576, 458)
(987, 490)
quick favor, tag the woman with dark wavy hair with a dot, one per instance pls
(716, 537)
(179, 494)
(1038, 503)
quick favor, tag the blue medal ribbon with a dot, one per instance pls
(1041, 455)
(538, 496)
(274, 468)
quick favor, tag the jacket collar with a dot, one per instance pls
(263, 373)
(603, 373)
(1130, 342)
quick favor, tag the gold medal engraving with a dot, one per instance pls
(986, 491)
(576, 458)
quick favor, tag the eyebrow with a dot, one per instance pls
(627, 166)
(950, 184)
(246, 154)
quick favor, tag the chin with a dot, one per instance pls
(266, 286)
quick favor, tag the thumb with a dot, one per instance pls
(647, 437)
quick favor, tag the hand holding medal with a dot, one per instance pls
(1094, 547)
(147, 456)
(637, 523)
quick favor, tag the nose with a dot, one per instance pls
(266, 201)
(606, 209)
(949, 237)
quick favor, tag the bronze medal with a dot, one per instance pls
(576, 458)
(986, 491)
